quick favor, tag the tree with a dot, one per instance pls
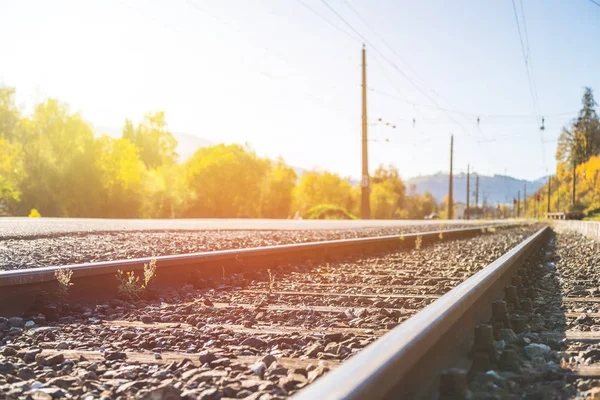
(277, 190)
(58, 161)
(428, 204)
(224, 181)
(384, 201)
(9, 115)
(323, 188)
(444, 207)
(156, 145)
(121, 172)
(11, 171)
(391, 175)
(580, 141)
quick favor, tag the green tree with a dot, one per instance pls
(11, 172)
(163, 192)
(58, 155)
(323, 188)
(224, 181)
(277, 191)
(121, 172)
(384, 201)
(156, 145)
(9, 115)
(580, 141)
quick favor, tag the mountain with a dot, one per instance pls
(495, 189)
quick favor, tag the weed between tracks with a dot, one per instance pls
(63, 277)
(129, 282)
(418, 242)
(271, 281)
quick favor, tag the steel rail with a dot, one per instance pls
(402, 363)
(96, 281)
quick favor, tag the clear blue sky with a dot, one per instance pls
(276, 75)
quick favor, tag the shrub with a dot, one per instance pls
(34, 213)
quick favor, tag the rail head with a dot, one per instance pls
(375, 371)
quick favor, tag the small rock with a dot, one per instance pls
(49, 360)
(62, 346)
(509, 336)
(210, 394)
(207, 357)
(9, 352)
(26, 373)
(258, 368)
(334, 337)
(16, 322)
(166, 392)
(128, 335)
(6, 368)
(254, 342)
(29, 324)
(114, 355)
(316, 373)
(63, 382)
(292, 381)
(313, 350)
(268, 359)
(537, 350)
(47, 393)
(157, 356)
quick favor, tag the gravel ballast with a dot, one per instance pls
(556, 354)
(78, 248)
(258, 335)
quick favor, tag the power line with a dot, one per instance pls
(328, 22)
(469, 114)
(596, 3)
(530, 78)
(411, 81)
(390, 48)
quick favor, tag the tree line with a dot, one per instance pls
(578, 166)
(54, 162)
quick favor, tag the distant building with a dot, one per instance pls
(459, 210)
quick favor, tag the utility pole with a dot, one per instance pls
(518, 203)
(484, 204)
(468, 194)
(365, 208)
(574, 180)
(476, 191)
(549, 183)
(450, 199)
(525, 200)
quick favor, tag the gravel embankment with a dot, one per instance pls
(258, 335)
(94, 247)
(557, 354)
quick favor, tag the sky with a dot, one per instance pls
(284, 76)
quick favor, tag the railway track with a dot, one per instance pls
(265, 323)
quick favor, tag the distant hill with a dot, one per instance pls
(497, 189)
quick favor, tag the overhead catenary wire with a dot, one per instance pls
(386, 59)
(530, 78)
(390, 48)
(328, 22)
(470, 114)
(595, 2)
